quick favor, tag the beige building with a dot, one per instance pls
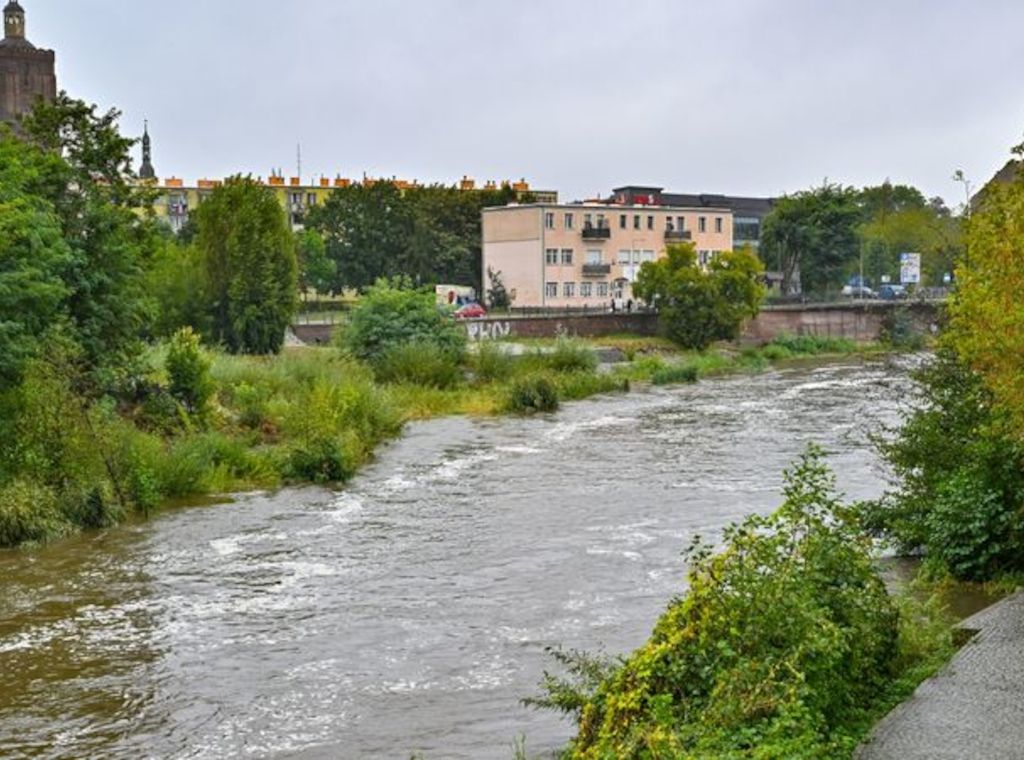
(584, 255)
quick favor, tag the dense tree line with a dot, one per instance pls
(429, 234)
(818, 238)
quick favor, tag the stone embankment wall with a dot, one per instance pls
(854, 321)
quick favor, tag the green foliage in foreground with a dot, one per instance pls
(785, 646)
(959, 477)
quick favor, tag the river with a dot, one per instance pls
(409, 613)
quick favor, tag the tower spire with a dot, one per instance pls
(146, 171)
(14, 21)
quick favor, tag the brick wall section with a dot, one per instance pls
(859, 322)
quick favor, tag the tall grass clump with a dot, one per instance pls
(490, 363)
(531, 394)
(568, 355)
(675, 374)
(786, 645)
(810, 345)
(418, 363)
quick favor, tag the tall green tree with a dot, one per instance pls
(249, 262)
(72, 167)
(430, 234)
(696, 305)
(811, 236)
(33, 257)
(316, 270)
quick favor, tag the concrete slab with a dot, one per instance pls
(974, 708)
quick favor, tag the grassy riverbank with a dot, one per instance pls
(304, 416)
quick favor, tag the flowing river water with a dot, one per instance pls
(409, 613)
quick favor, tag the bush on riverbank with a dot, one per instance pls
(959, 478)
(786, 645)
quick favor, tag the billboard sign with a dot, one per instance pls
(910, 268)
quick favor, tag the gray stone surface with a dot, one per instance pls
(974, 708)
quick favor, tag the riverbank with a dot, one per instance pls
(974, 708)
(317, 416)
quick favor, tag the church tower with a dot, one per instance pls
(146, 171)
(26, 72)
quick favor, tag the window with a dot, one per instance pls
(602, 289)
(549, 221)
(311, 199)
(568, 221)
(551, 257)
(636, 257)
(551, 290)
(705, 257)
(702, 224)
(646, 256)
(746, 229)
(718, 224)
(636, 222)
(650, 222)
(586, 290)
(588, 221)
(593, 257)
(625, 257)
(622, 221)
(569, 289)
(680, 223)
(567, 256)
(600, 222)
(669, 227)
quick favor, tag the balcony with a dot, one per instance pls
(599, 233)
(597, 270)
(677, 236)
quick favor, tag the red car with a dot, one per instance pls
(471, 311)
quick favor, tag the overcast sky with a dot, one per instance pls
(746, 97)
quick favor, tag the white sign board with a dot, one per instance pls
(910, 268)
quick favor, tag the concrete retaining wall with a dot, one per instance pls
(854, 321)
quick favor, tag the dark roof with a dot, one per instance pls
(13, 5)
(16, 43)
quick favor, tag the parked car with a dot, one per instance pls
(471, 311)
(892, 292)
(858, 291)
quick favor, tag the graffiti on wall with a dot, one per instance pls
(479, 331)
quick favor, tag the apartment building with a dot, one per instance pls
(584, 255)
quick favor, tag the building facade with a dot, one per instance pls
(585, 255)
(27, 73)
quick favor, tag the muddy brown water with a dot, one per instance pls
(409, 613)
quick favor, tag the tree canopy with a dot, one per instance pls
(248, 256)
(697, 306)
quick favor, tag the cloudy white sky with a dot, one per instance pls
(751, 97)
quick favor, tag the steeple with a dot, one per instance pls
(14, 21)
(146, 171)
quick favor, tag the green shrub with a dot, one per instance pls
(393, 313)
(418, 363)
(774, 352)
(250, 402)
(900, 332)
(960, 477)
(570, 355)
(572, 386)
(188, 370)
(532, 394)
(810, 345)
(675, 374)
(490, 363)
(784, 644)
(29, 513)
